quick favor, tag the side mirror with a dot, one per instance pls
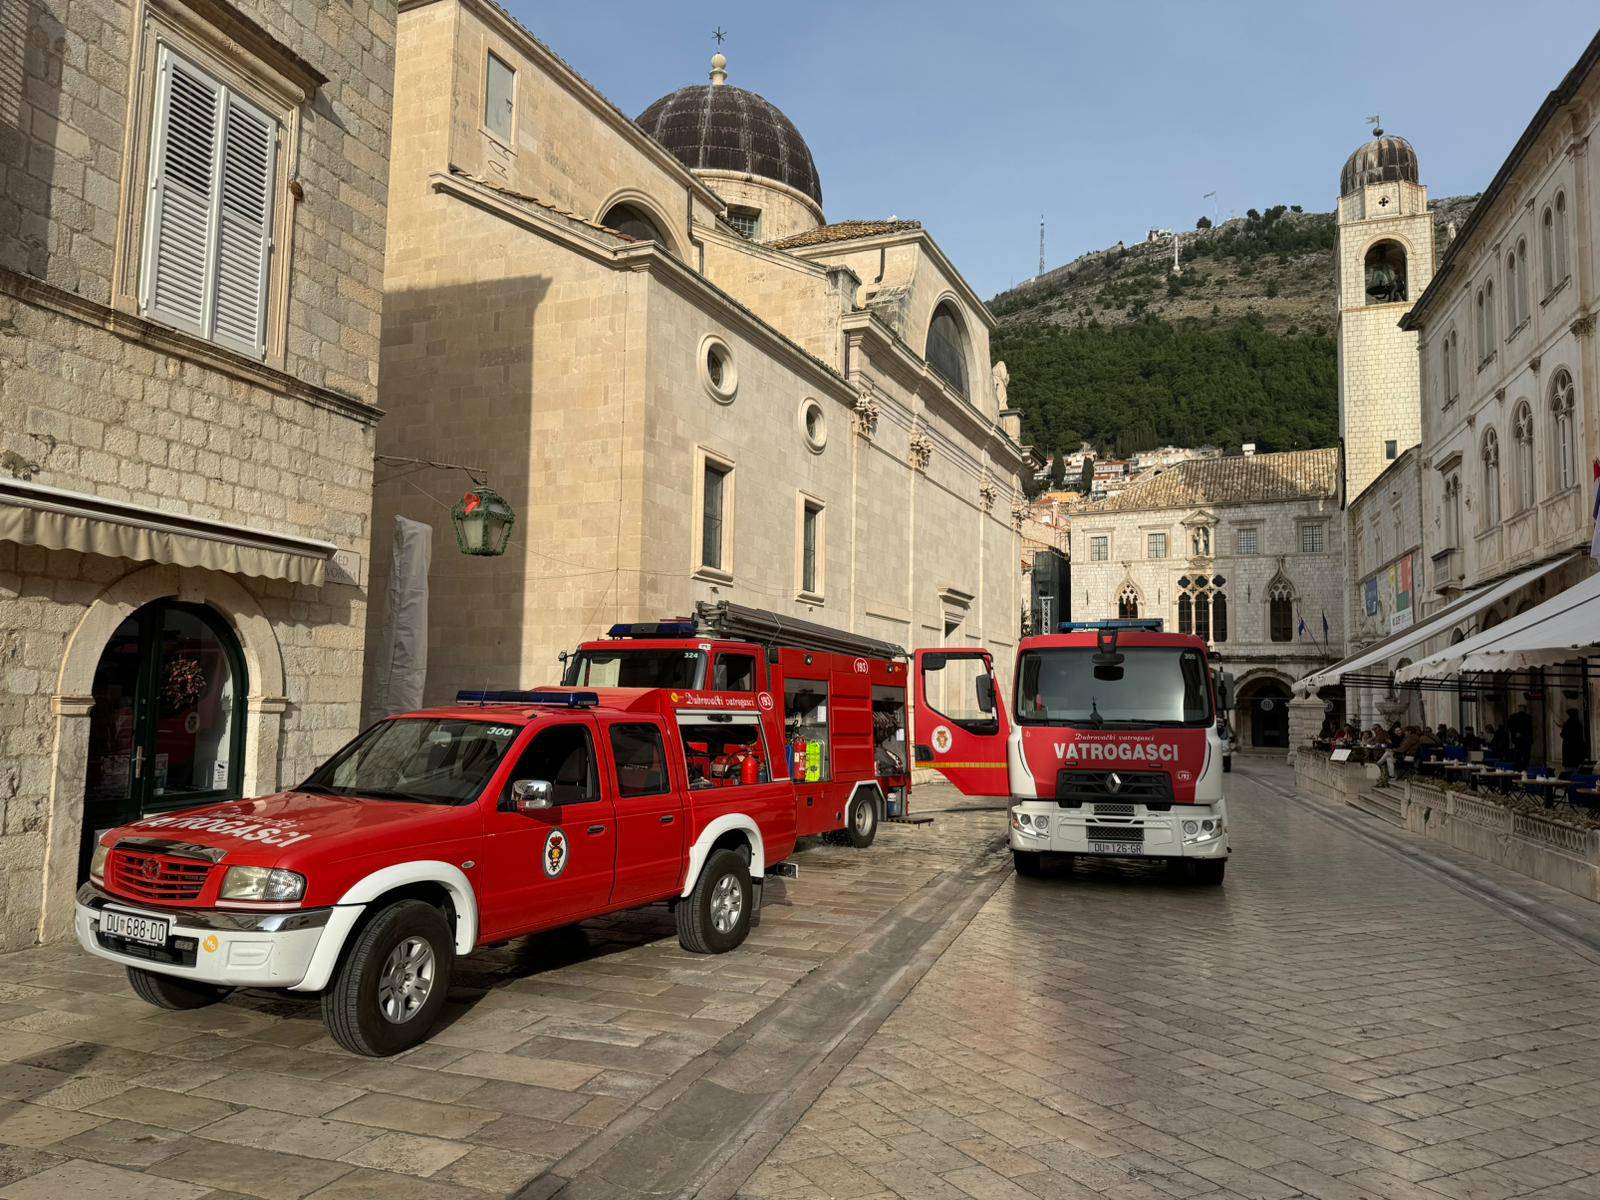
(532, 795)
(986, 693)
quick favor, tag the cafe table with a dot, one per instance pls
(1543, 786)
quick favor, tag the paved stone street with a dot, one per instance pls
(1332, 1023)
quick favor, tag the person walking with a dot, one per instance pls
(1574, 743)
(1519, 725)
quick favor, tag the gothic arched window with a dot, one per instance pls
(1452, 511)
(947, 347)
(1219, 617)
(1522, 431)
(1202, 607)
(1562, 269)
(1280, 610)
(1185, 613)
(1490, 508)
(1562, 398)
(1516, 292)
(1128, 603)
(1448, 369)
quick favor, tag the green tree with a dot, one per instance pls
(1203, 223)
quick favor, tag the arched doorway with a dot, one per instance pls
(167, 726)
(1262, 709)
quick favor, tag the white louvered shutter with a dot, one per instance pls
(244, 237)
(182, 199)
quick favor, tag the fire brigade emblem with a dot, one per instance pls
(765, 701)
(555, 854)
(1113, 783)
(942, 740)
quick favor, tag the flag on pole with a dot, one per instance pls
(1324, 627)
(1301, 631)
(1594, 542)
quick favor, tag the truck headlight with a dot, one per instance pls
(1190, 828)
(97, 864)
(1042, 824)
(269, 885)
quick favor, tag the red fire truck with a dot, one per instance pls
(835, 701)
(1111, 746)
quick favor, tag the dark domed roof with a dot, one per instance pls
(718, 127)
(1385, 159)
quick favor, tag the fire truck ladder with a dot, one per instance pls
(737, 623)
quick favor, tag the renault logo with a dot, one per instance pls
(1113, 782)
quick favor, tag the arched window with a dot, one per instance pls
(1562, 399)
(1516, 286)
(1486, 314)
(1386, 273)
(1128, 603)
(1202, 607)
(1219, 618)
(1452, 511)
(1448, 368)
(947, 347)
(637, 224)
(1280, 610)
(1185, 613)
(1562, 269)
(1490, 508)
(1547, 248)
(1522, 430)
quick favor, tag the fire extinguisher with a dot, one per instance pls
(750, 769)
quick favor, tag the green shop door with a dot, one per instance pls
(167, 728)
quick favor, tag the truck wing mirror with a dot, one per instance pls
(986, 693)
(532, 795)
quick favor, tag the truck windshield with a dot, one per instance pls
(423, 760)
(1154, 685)
(632, 667)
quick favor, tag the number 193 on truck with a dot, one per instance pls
(1111, 746)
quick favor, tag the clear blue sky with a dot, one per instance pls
(1107, 118)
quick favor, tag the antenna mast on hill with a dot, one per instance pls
(1041, 243)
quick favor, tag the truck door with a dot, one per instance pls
(650, 817)
(961, 726)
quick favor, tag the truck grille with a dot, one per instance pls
(1114, 833)
(157, 877)
(1114, 810)
(1151, 788)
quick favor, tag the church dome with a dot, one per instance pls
(718, 127)
(1385, 159)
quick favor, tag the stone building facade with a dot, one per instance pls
(1245, 550)
(192, 232)
(686, 384)
(1387, 571)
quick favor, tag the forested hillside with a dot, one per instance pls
(1115, 349)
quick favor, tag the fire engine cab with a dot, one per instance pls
(439, 831)
(1111, 746)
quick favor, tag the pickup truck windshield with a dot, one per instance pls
(423, 760)
(1157, 686)
(636, 668)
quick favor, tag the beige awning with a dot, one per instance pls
(34, 515)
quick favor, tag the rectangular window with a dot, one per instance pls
(810, 547)
(1099, 548)
(641, 759)
(499, 98)
(746, 220)
(1247, 542)
(208, 226)
(734, 673)
(1155, 545)
(723, 750)
(1311, 538)
(716, 486)
(1390, 449)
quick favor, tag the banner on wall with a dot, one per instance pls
(1370, 599)
(1402, 595)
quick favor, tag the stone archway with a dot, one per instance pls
(1261, 710)
(73, 702)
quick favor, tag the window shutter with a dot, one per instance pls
(182, 198)
(244, 236)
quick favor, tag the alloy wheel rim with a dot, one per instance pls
(727, 904)
(407, 980)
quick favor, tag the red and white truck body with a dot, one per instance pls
(1110, 746)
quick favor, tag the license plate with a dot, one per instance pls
(1116, 847)
(152, 931)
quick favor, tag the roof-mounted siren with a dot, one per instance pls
(678, 627)
(1116, 625)
(544, 698)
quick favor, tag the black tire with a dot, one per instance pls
(1208, 872)
(351, 1007)
(1027, 862)
(861, 822)
(697, 925)
(168, 991)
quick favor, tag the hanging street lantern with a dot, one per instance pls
(483, 522)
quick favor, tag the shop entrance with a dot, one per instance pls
(1262, 713)
(167, 727)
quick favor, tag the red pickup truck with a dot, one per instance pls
(439, 831)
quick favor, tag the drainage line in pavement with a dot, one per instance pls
(708, 1127)
(1519, 906)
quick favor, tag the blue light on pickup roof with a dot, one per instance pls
(653, 629)
(1144, 624)
(553, 699)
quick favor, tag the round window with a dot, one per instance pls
(813, 425)
(717, 371)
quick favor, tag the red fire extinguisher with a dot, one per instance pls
(750, 769)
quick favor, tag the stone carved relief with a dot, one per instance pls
(1019, 513)
(987, 494)
(920, 451)
(866, 415)
(1533, 363)
(1584, 325)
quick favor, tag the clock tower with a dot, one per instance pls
(1384, 260)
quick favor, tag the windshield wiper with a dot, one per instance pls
(320, 789)
(408, 797)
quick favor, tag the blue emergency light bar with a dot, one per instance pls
(552, 699)
(1142, 624)
(653, 629)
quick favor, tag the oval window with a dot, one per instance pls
(813, 425)
(717, 369)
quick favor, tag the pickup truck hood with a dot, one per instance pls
(258, 831)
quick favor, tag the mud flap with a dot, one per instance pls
(757, 887)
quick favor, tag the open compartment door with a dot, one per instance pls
(961, 726)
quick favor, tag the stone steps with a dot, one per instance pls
(1383, 803)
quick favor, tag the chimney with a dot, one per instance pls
(1248, 449)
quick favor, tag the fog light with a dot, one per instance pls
(1191, 828)
(1042, 824)
(1208, 826)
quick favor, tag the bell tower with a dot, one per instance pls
(1384, 260)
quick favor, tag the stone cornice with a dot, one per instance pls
(164, 340)
(902, 237)
(783, 189)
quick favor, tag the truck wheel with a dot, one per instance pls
(1027, 862)
(1208, 872)
(862, 827)
(391, 983)
(166, 991)
(715, 917)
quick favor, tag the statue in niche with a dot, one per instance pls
(1002, 380)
